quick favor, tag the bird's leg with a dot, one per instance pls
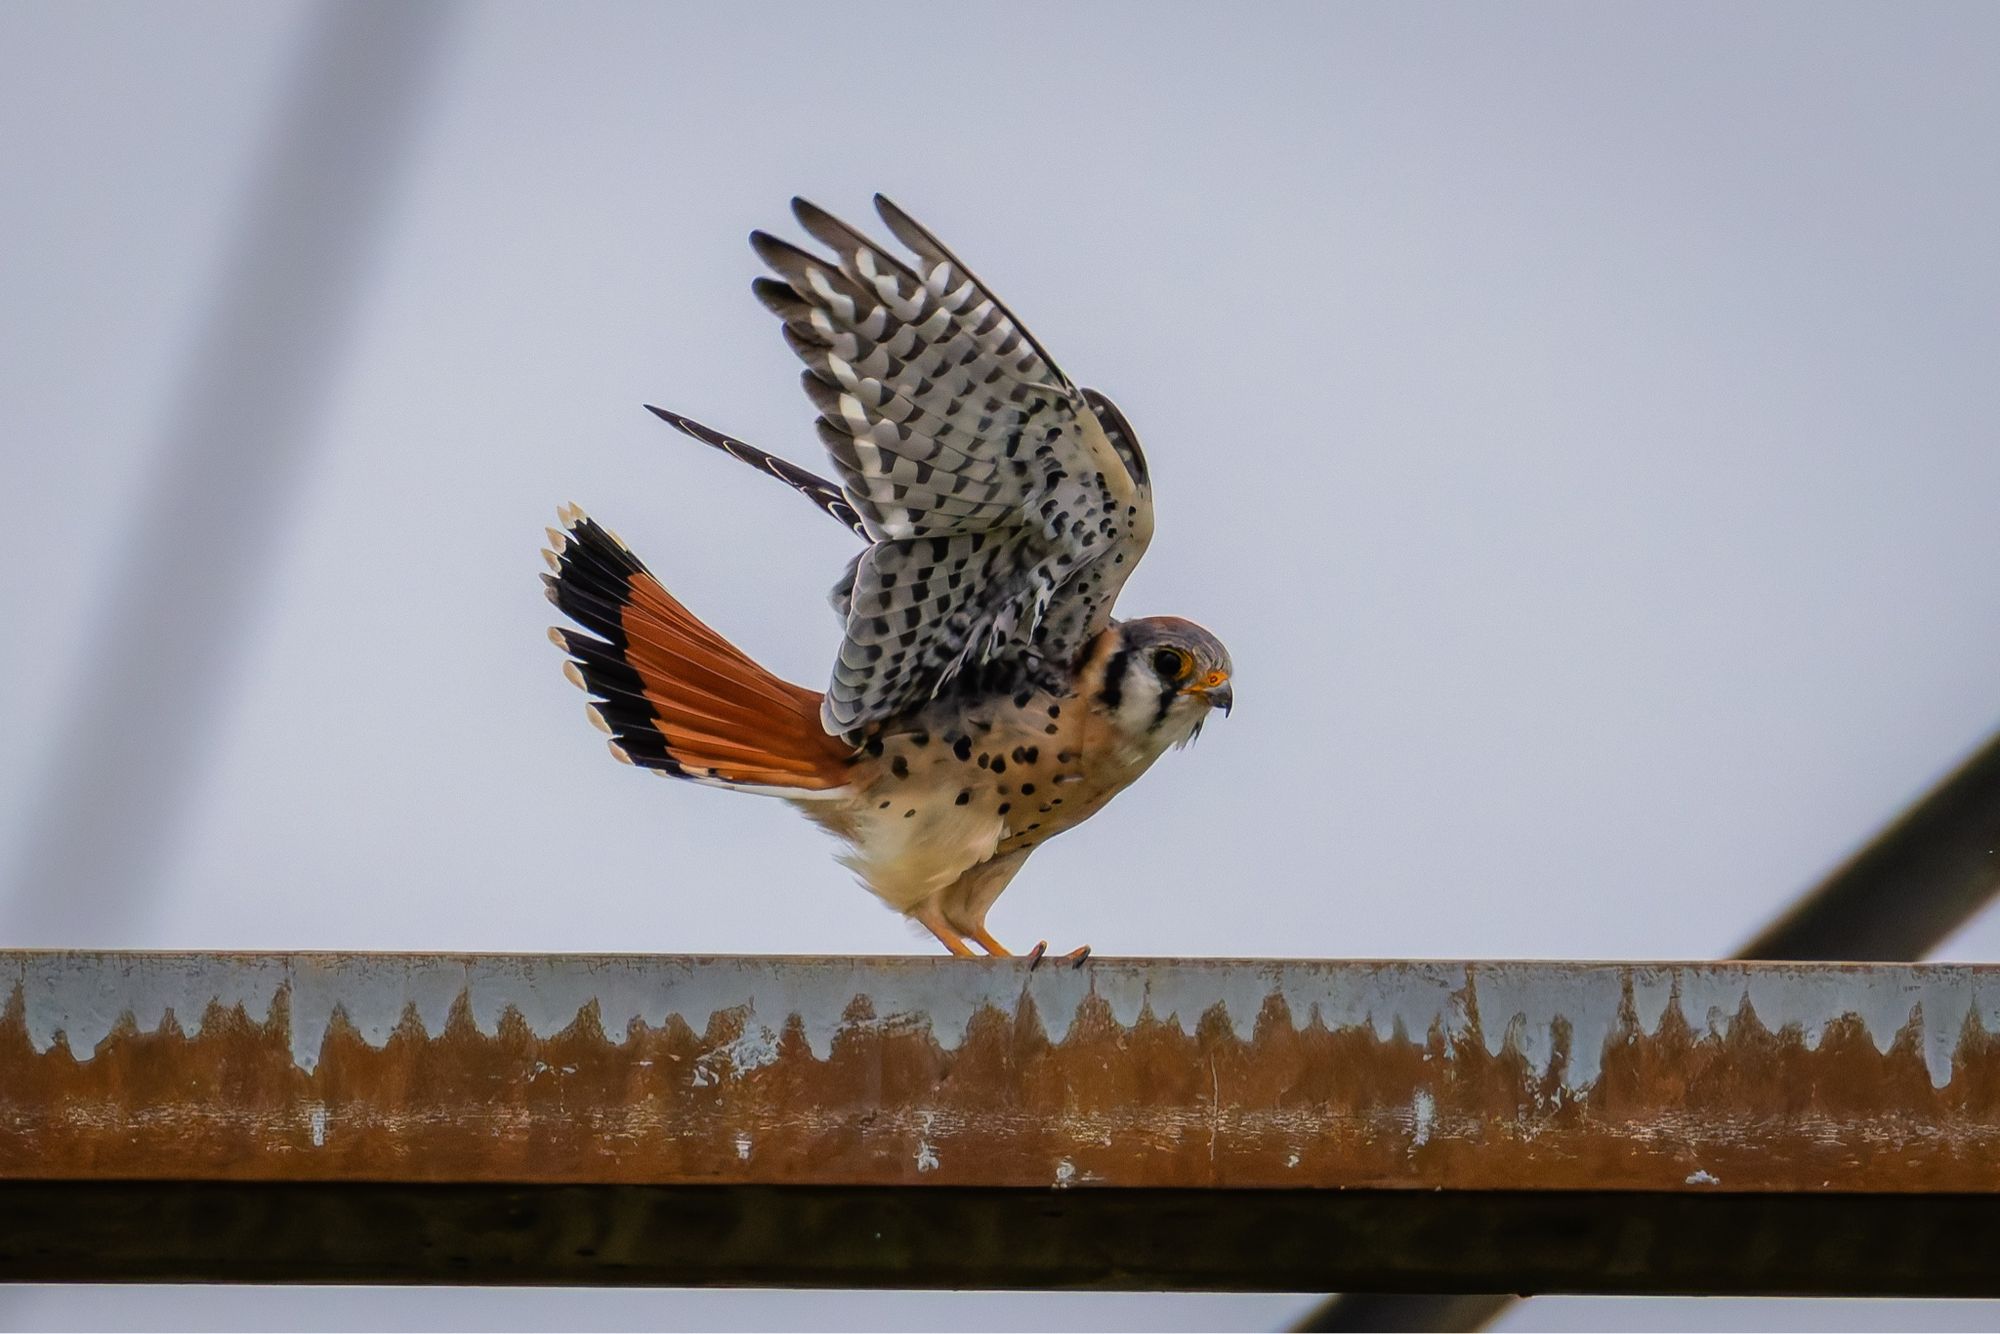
(933, 921)
(986, 942)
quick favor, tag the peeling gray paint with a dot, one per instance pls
(82, 995)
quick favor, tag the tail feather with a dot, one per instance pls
(602, 583)
(605, 671)
(675, 696)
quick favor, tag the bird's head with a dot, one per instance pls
(1162, 675)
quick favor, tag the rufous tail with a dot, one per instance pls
(675, 696)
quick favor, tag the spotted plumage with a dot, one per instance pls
(982, 699)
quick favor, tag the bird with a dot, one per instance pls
(983, 699)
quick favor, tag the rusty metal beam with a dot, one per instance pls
(1558, 1126)
(1896, 899)
(981, 1237)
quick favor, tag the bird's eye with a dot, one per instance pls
(1171, 663)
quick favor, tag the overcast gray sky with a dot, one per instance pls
(1579, 422)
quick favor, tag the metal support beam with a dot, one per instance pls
(1915, 883)
(1896, 899)
(1550, 1126)
(984, 1238)
(233, 449)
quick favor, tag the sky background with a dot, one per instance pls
(1580, 424)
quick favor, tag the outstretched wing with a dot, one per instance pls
(1005, 506)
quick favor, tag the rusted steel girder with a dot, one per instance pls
(1894, 901)
(1459, 1124)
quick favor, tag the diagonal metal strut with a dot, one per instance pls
(1897, 898)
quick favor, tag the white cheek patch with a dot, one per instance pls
(1138, 702)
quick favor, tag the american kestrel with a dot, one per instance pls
(984, 700)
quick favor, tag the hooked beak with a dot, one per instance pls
(1219, 695)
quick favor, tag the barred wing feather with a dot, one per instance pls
(1004, 506)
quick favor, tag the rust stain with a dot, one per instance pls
(1294, 1103)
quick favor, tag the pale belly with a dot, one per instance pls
(958, 786)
